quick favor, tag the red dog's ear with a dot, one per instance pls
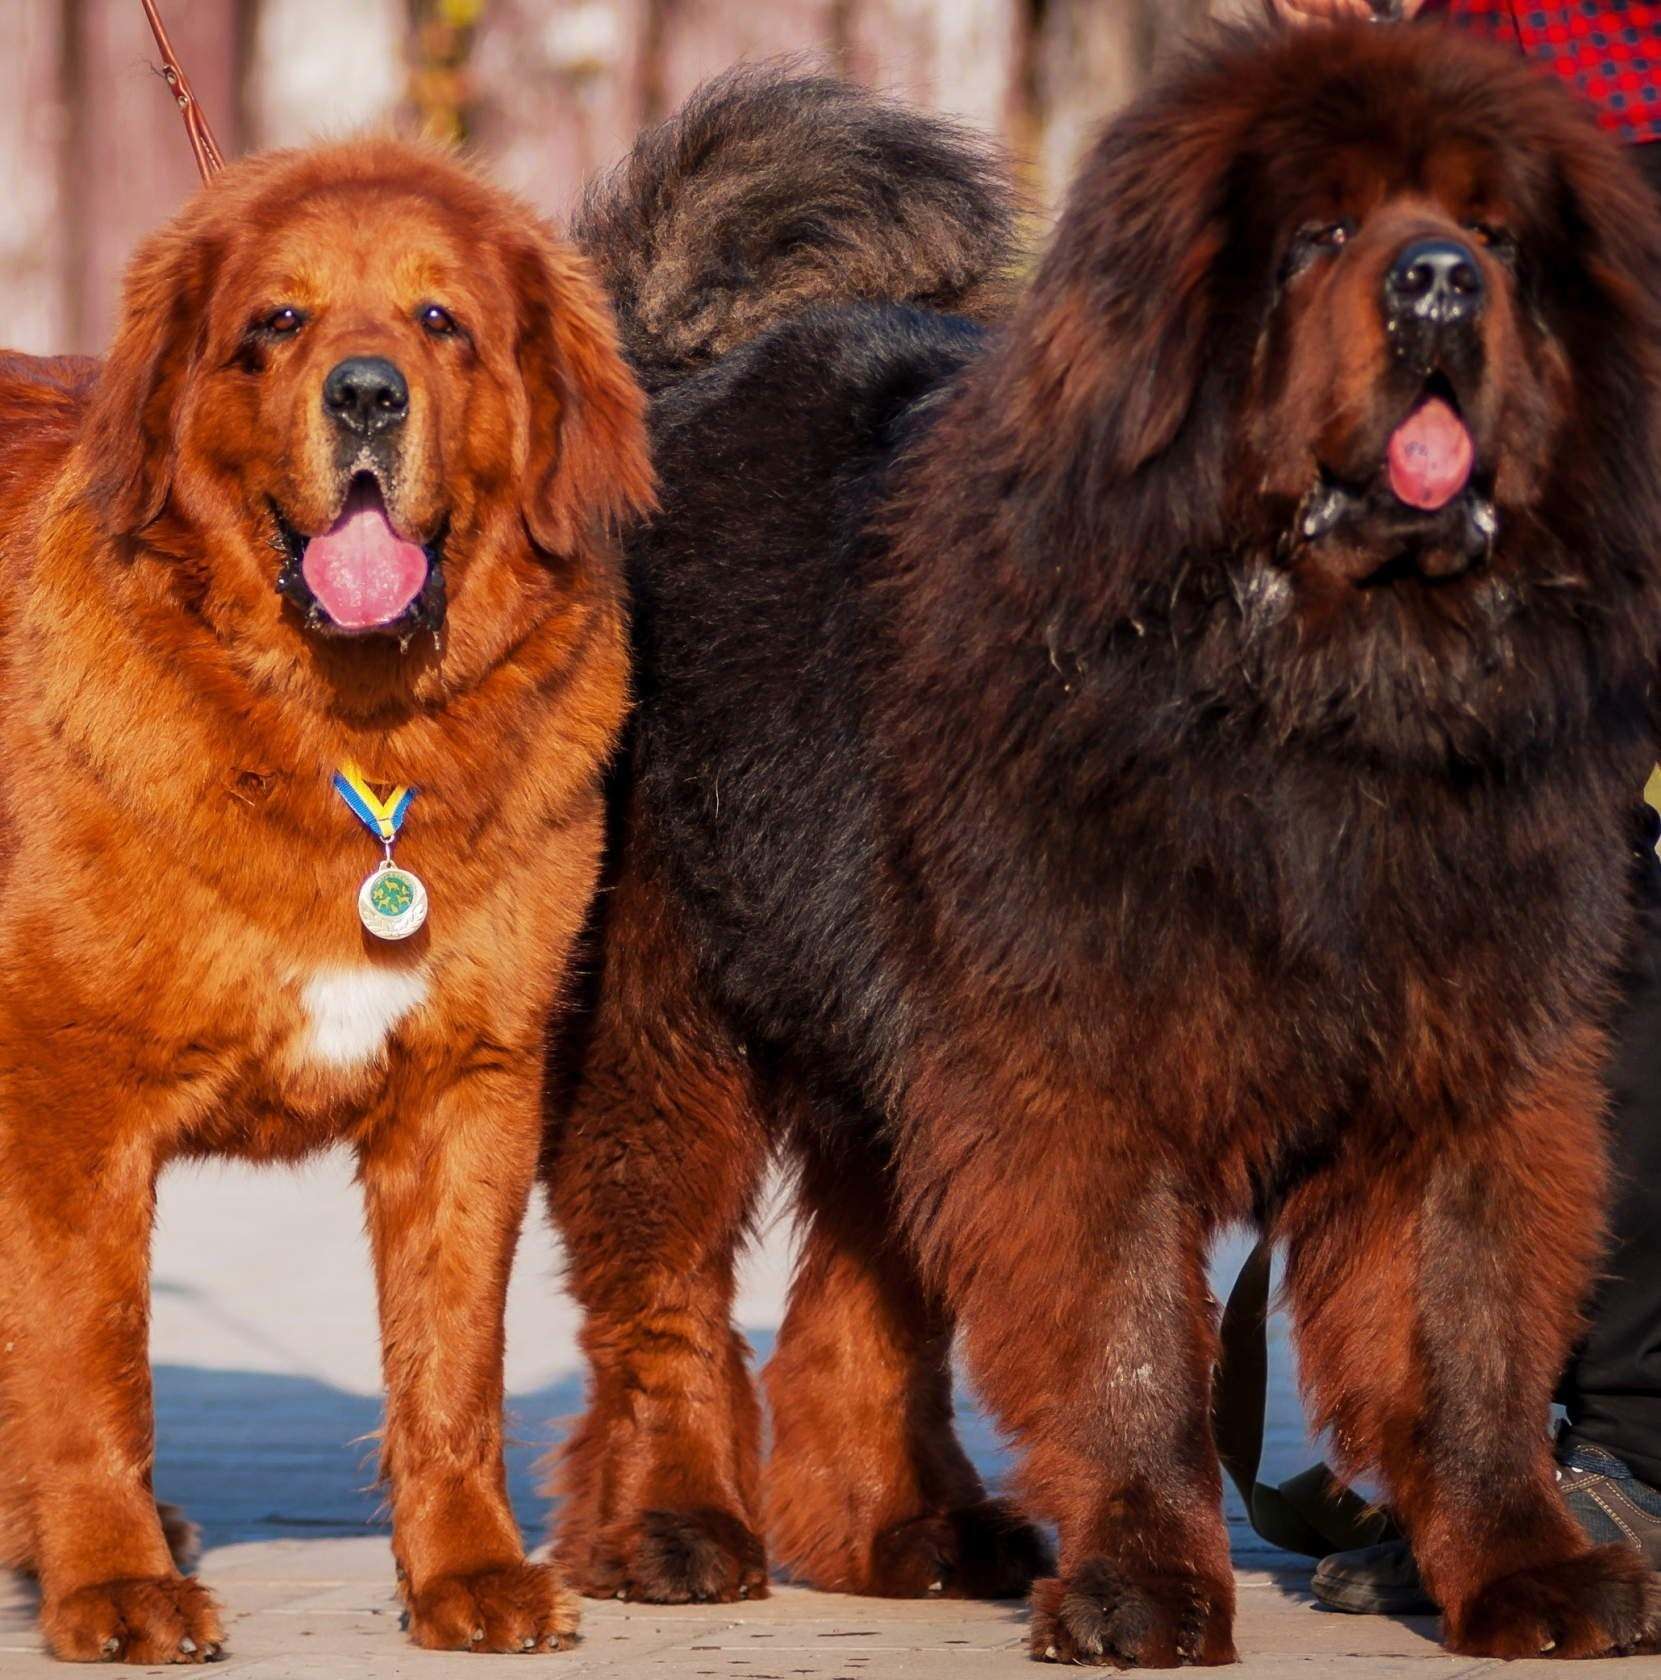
(130, 420)
(589, 464)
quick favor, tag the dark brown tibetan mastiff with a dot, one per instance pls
(1161, 763)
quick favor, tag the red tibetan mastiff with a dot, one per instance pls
(337, 501)
(1160, 763)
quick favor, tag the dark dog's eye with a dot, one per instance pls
(284, 322)
(1502, 242)
(439, 322)
(1311, 241)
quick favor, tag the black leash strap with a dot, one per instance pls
(1313, 1512)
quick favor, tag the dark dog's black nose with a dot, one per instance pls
(1435, 280)
(366, 395)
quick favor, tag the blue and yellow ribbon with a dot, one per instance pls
(382, 817)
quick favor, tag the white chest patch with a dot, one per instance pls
(353, 1010)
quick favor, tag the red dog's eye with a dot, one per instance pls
(1335, 234)
(439, 322)
(284, 321)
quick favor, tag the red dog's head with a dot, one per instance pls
(356, 393)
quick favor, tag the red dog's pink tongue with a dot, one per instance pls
(361, 571)
(1430, 456)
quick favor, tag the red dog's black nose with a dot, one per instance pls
(1435, 280)
(366, 395)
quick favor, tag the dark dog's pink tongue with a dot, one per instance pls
(1430, 456)
(361, 571)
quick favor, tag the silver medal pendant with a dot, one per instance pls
(392, 903)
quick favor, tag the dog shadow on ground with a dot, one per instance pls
(256, 1455)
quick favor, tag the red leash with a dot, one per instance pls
(209, 158)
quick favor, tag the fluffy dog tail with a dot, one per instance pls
(768, 192)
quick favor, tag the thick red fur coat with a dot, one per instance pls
(1160, 762)
(186, 973)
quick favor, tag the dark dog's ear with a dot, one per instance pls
(588, 464)
(130, 420)
(1115, 328)
(1600, 288)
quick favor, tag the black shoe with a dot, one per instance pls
(1380, 1580)
(1602, 1495)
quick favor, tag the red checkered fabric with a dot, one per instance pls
(1609, 50)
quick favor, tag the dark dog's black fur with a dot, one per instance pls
(1022, 796)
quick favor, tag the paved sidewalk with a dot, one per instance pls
(266, 1387)
(323, 1610)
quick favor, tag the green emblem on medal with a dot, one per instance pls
(391, 893)
(392, 903)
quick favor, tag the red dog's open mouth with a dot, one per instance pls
(362, 573)
(360, 577)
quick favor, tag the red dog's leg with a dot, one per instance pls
(446, 1182)
(1436, 1295)
(867, 1487)
(1078, 1277)
(79, 1432)
(653, 1174)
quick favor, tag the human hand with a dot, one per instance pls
(1328, 11)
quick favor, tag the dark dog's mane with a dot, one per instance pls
(1091, 461)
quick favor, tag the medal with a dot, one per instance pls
(392, 902)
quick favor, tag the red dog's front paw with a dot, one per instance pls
(165, 1619)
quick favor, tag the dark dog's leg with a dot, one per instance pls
(78, 1435)
(654, 1165)
(1436, 1296)
(446, 1181)
(868, 1489)
(1077, 1274)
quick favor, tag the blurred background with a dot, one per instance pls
(548, 91)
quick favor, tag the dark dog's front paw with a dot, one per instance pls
(161, 1619)
(703, 1556)
(1600, 1604)
(1105, 1615)
(986, 1550)
(523, 1608)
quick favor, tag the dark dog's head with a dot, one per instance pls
(1352, 336)
(1432, 257)
(350, 383)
